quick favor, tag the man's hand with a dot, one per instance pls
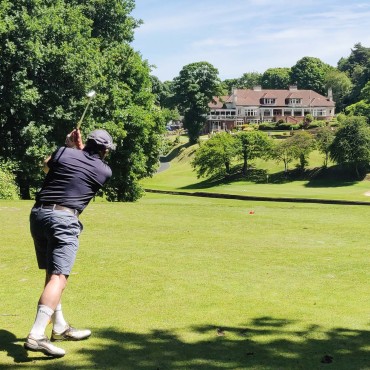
(74, 140)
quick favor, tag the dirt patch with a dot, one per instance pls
(367, 193)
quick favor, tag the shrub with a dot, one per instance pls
(316, 124)
(8, 187)
(267, 126)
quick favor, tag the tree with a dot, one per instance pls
(249, 80)
(309, 73)
(283, 151)
(215, 155)
(52, 54)
(276, 78)
(302, 143)
(357, 67)
(228, 85)
(194, 89)
(250, 145)
(341, 86)
(361, 108)
(351, 145)
(324, 139)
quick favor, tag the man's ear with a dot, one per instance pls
(103, 153)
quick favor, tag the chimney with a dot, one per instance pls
(257, 88)
(235, 97)
(293, 88)
(330, 94)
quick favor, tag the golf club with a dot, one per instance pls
(90, 95)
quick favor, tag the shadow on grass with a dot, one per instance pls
(9, 344)
(262, 343)
(334, 176)
(320, 177)
(173, 153)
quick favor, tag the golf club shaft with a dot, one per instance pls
(83, 115)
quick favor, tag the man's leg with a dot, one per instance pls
(50, 297)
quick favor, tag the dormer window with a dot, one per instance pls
(268, 101)
(294, 101)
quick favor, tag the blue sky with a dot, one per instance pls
(241, 36)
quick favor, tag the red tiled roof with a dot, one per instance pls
(247, 97)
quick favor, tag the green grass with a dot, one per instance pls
(156, 279)
(181, 177)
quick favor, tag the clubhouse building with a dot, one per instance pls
(248, 106)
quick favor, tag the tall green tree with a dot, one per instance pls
(249, 79)
(214, 157)
(276, 78)
(52, 53)
(194, 89)
(251, 145)
(357, 67)
(341, 86)
(309, 74)
(351, 145)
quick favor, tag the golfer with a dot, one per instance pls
(74, 174)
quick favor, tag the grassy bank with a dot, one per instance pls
(266, 178)
(174, 282)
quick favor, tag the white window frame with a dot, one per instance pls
(250, 112)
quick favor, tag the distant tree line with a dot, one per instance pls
(197, 83)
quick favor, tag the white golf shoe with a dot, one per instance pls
(43, 345)
(70, 333)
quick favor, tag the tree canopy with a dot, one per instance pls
(214, 157)
(351, 145)
(52, 53)
(309, 73)
(194, 89)
(276, 78)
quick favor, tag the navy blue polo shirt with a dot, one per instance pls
(73, 179)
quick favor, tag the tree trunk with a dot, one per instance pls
(245, 164)
(24, 187)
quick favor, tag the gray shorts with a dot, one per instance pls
(55, 235)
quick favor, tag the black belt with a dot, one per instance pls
(59, 208)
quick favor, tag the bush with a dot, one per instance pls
(316, 124)
(8, 187)
(267, 126)
(285, 126)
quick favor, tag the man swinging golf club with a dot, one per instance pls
(74, 174)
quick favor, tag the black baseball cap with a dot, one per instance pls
(101, 137)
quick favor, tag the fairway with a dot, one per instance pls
(175, 282)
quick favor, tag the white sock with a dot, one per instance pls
(42, 320)
(59, 323)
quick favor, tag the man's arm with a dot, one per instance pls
(45, 166)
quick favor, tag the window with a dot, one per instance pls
(319, 112)
(269, 101)
(250, 112)
(295, 101)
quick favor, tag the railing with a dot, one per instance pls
(221, 116)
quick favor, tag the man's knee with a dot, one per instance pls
(59, 279)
